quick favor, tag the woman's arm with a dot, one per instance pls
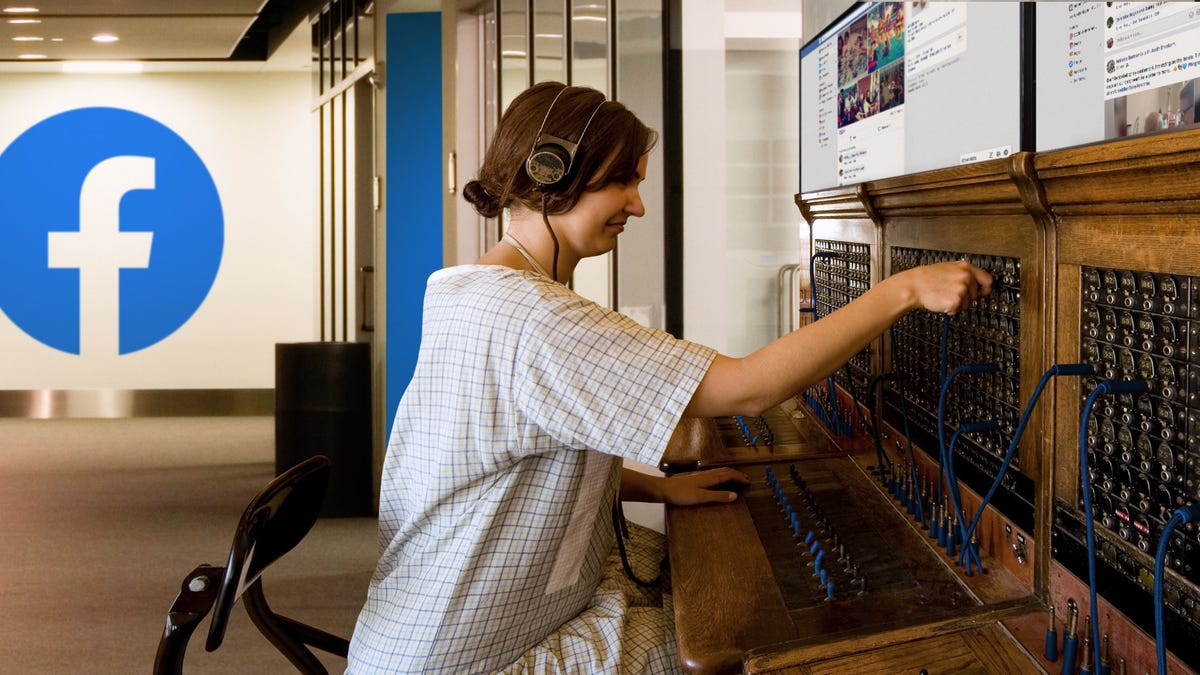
(750, 385)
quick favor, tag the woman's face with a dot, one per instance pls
(592, 226)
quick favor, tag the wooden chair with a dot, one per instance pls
(276, 519)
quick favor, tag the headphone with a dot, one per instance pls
(551, 158)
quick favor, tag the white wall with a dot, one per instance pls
(764, 226)
(741, 168)
(254, 133)
(705, 237)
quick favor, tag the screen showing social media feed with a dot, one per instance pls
(900, 87)
(1109, 70)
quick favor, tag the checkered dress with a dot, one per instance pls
(503, 463)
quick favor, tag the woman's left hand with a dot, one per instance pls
(696, 487)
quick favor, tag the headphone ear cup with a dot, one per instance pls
(548, 163)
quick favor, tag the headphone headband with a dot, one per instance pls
(550, 161)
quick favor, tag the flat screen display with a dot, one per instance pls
(899, 87)
(1113, 69)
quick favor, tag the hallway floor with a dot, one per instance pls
(100, 520)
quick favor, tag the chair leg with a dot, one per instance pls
(193, 603)
(278, 633)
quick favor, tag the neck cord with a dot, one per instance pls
(554, 237)
(621, 529)
(512, 241)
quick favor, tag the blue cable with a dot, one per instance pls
(1105, 387)
(968, 369)
(1184, 514)
(1055, 370)
(956, 498)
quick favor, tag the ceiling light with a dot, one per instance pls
(16, 21)
(56, 39)
(31, 57)
(28, 38)
(20, 10)
(104, 37)
(102, 67)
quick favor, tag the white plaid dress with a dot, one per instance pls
(502, 466)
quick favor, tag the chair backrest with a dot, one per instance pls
(276, 519)
(273, 523)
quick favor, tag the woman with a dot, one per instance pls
(506, 452)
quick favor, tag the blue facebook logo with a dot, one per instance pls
(111, 231)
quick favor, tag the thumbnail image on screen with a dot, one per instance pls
(871, 64)
(1113, 69)
(897, 87)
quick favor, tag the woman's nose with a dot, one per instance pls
(635, 207)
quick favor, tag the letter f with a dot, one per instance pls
(99, 250)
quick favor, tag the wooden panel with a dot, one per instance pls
(858, 230)
(695, 444)
(1143, 175)
(842, 203)
(694, 438)
(974, 644)
(725, 595)
(979, 188)
(1126, 640)
(982, 650)
(1067, 390)
(1153, 243)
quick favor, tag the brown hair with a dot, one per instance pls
(616, 139)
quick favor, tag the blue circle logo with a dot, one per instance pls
(111, 231)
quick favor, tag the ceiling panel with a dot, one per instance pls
(178, 37)
(139, 7)
(149, 30)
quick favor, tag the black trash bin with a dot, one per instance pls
(323, 407)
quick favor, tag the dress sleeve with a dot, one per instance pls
(592, 378)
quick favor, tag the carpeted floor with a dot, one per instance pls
(100, 520)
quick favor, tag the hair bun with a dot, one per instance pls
(483, 201)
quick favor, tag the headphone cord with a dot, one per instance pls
(553, 237)
(621, 529)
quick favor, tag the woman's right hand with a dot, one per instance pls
(946, 288)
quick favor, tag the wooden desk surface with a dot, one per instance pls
(727, 595)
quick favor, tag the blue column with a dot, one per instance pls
(412, 185)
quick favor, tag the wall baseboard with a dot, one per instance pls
(122, 403)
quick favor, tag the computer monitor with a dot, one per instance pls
(1114, 69)
(892, 88)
